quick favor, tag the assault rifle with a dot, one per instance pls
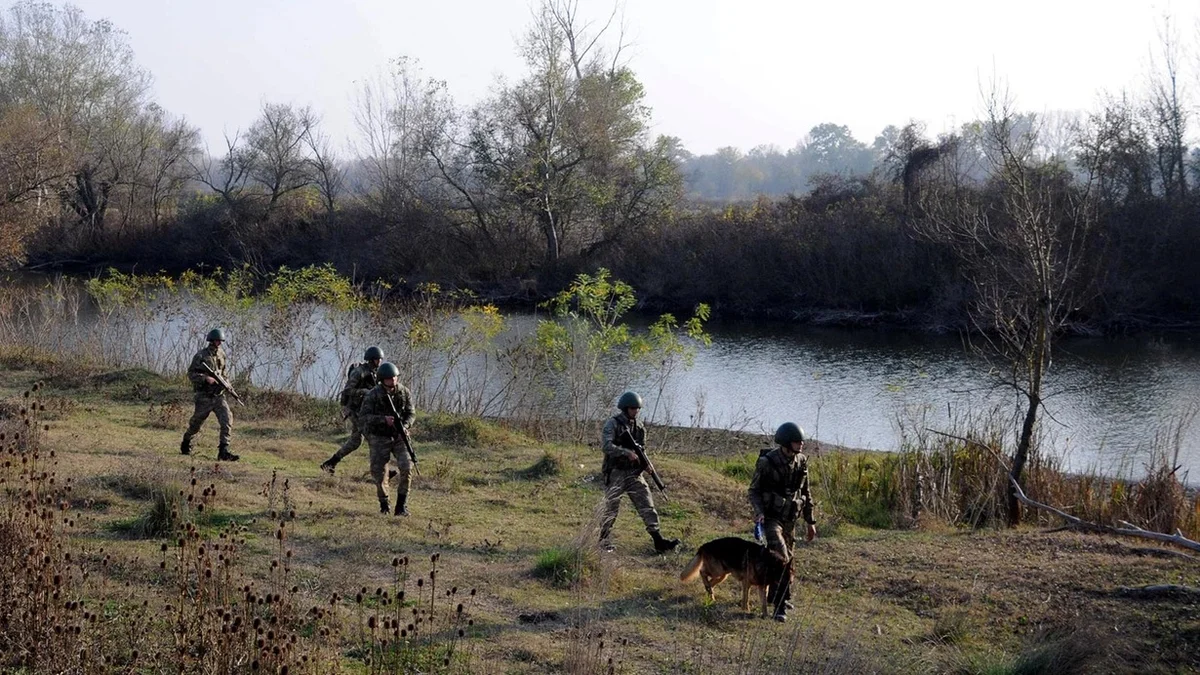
(649, 466)
(222, 382)
(402, 433)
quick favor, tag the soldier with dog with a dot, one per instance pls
(779, 494)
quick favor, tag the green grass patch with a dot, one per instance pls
(159, 520)
(546, 466)
(138, 385)
(564, 566)
(471, 432)
(740, 468)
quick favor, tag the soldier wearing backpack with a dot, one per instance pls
(361, 378)
(780, 496)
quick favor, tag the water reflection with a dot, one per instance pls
(1109, 397)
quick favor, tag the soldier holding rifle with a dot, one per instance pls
(386, 412)
(623, 441)
(207, 374)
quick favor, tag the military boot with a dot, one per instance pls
(224, 455)
(782, 600)
(606, 543)
(662, 544)
(329, 465)
(384, 507)
(401, 504)
(185, 446)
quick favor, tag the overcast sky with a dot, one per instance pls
(716, 72)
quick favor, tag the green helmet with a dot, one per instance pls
(386, 370)
(629, 400)
(373, 353)
(216, 334)
(789, 432)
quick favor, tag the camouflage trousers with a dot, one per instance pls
(622, 482)
(352, 443)
(215, 405)
(383, 448)
(780, 537)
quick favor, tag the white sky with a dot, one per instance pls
(716, 72)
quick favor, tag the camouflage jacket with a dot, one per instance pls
(215, 359)
(359, 381)
(375, 407)
(779, 489)
(615, 441)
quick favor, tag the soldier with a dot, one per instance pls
(384, 409)
(210, 395)
(361, 379)
(779, 494)
(623, 473)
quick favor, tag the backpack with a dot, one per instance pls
(344, 399)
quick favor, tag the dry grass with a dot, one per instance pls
(932, 598)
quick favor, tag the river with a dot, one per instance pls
(1109, 400)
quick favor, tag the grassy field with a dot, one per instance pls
(513, 519)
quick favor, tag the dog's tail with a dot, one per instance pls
(693, 569)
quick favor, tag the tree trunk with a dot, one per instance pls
(1039, 359)
(551, 232)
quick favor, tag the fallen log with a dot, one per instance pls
(1159, 591)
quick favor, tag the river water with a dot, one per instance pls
(1108, 398)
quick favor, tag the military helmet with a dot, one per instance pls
(216, 334)
(373, 353)
(789, 432)
(629, 400)
(386, 370)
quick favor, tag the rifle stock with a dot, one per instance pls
(222, 382)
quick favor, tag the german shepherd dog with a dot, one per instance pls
(750, 563)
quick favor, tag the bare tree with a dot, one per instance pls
(1023, 240)
(565, 151)
(277, 149)
(400, 116)
(31, 165)
(81, 78)
(227, 176)
(327, 172)
(1168, 115)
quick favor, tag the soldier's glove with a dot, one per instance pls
(632, 460)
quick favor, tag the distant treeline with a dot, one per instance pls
(556, 173)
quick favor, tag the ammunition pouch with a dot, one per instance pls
(782, 507)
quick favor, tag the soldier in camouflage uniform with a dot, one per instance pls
(623, 473)
(379, 419)
(779, 494)
(359, 381)
(210, 396)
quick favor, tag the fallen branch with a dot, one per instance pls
(1127, 529)
(1162, 553)
(1159, 591)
